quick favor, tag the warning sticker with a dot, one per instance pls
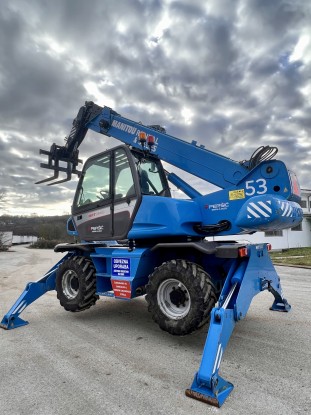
(121, 289)
(121, 267)
(236, 194)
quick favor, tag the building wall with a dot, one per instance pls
(24, 239)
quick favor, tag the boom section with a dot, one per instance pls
(200, 162)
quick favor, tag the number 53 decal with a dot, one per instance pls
(258, 187)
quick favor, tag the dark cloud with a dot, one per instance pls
(227, 74)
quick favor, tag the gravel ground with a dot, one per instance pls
(112, 359)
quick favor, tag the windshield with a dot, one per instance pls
(96, 182)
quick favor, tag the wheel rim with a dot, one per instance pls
(174, 299)
(70, 284)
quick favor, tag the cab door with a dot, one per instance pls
(107, 196)
(91, 209)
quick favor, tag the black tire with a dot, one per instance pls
(180, 296)
(76, 284)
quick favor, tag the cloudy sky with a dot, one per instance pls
(232, 75)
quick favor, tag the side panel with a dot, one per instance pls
(165, 217)
(122, 271)
(95, 225)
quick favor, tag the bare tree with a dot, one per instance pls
(5, 237)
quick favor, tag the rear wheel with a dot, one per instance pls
(76, 284)
(180, 296)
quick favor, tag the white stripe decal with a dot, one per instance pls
(220, 357)
(290, 211)
(265, 206)
(23, 308)
(254, 206)
(16, 310)
(252, 212)
(216, 360)
(286, 210)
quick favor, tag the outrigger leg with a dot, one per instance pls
(247, 277)
(32, 292)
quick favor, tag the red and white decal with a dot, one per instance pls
(121, 289)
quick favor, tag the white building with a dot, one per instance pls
(297, 237)
(24, 239)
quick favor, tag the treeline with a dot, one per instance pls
(44, 227)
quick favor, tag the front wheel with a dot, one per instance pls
(76, 284)
(180, 296)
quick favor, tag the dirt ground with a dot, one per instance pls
(113, 359)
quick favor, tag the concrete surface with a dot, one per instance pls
(112, 359)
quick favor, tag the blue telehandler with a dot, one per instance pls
(132, 238)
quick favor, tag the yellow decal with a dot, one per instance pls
(236, 194)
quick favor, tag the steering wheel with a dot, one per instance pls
(104, 194)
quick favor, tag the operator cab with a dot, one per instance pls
(110, 191)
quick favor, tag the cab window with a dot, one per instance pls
(96, 181)
(124, 182)
(150, 178)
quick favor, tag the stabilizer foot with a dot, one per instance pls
(215, 396)
(9, 323)
(281, 306)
